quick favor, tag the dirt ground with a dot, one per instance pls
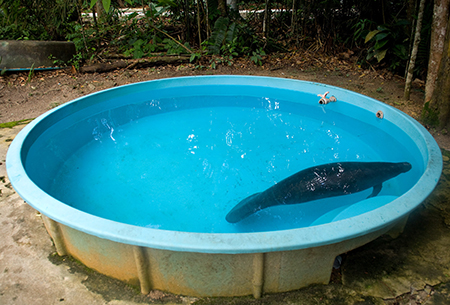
(24, 96)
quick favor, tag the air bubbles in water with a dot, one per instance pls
(229, 137)
(111, 129)
(98, 131)
(97, 135)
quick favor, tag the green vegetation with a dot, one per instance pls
(389, 40)
(430, 115)
(37, 19)
(378, 32)
(15, 123)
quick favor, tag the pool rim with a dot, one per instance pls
(231, 243)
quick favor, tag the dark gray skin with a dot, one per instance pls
(322, 181)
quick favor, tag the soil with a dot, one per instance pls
(27, 95)
(24, 96)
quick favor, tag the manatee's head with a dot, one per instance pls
(404, 167)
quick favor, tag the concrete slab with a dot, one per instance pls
(26, 274)
(27, 54)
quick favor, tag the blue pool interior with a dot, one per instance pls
(180, 158)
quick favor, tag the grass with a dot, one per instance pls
(15, 123)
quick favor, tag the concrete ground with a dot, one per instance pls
(411, 269)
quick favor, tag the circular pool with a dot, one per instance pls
(136, 181)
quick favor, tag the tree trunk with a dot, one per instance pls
(412, 61)
(208, 27)
(222, 6)
(440, 16)
(233, 5)
(187, 22)
(410, 10)
(436, 111)
(99, 8)
(294, 17)
(131, 64)
(199, 24)
(266, 21)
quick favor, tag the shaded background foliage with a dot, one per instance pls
(37, 19)
(212, 27)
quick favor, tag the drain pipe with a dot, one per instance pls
(325, 100)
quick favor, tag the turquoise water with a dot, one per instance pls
(184, 169)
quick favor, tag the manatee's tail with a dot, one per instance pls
(244, 209)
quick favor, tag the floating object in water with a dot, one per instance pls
(325, 100)
(318, 182)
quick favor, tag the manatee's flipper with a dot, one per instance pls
(244, 209)
(376, 190)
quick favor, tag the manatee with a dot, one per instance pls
(321, 181)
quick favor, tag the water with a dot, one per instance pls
(184, 170)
